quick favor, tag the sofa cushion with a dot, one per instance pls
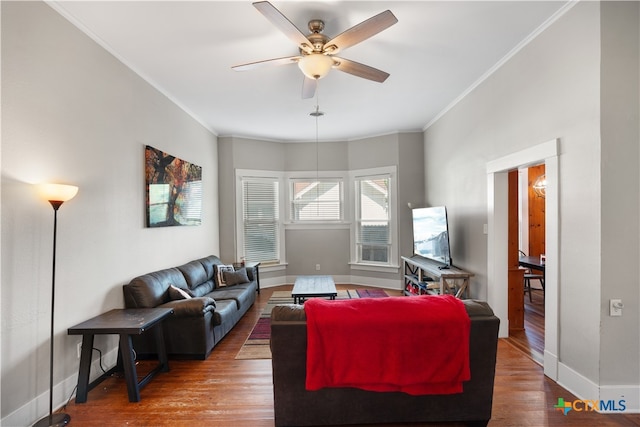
(241, 295)
(235, 277)
(177, 293)
(194, 273)
(296, 313)
(477, 308)
(209, 263)
(288, 313)
(203, 288)
(225, 309)
(150, 290)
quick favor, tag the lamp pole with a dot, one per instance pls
(56, 194)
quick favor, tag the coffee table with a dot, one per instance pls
(313, 286)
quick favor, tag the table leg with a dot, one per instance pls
(158, 331)
(444, 287)
(462, 292)
(258, 278)
(85, 368)
(129, 365)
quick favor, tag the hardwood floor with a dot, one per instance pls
(531, 340)
(222, 391)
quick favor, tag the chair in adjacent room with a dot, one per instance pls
(528, 277)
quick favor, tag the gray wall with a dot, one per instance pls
(240, 153)
(73, 113)
(552, 89)
(620, 171)
(328, 247)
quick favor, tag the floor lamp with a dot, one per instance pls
(56, 194)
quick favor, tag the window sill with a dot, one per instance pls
(316, 225)
(375, 267)
(272, 267)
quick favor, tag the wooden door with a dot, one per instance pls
(516, 274)
(536, 214)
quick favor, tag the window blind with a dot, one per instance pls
(261, 219)
(316, 200)
(373, 219)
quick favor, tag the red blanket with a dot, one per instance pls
(417, 345)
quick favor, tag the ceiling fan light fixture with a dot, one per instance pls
(315, 65)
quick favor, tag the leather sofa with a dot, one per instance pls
(200, 320)
(295, 406)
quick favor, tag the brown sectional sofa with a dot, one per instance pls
(295, 406)
(199, 322)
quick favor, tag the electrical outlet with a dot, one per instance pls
(615, 307)
(317, 267)
(79, 349)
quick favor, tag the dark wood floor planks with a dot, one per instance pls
(222, 391)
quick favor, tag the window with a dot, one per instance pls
(316, 200)
(260, 226)
(374, 233)
(192, 205)
(158, 202)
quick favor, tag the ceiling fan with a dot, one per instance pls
(317, 51)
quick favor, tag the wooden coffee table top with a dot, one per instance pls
(313, 286)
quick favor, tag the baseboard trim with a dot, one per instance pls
(38, 407)
(373, 282)
(550, 365)
(630, 394)
(612, 398)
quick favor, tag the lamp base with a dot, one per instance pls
(55, 420)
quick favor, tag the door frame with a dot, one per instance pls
(498, 219)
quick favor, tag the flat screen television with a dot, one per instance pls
(431, 234)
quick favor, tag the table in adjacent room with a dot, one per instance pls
(125, 323)
(532, 262)
(313, 286)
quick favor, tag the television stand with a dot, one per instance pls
(425, 277)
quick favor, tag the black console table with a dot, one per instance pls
(256, 268)
(123, 322)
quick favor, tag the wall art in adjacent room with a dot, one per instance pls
(174, 190)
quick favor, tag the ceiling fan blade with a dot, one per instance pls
(283, 24)
(267, 62)
(360, 70)
(309, 87)
(360, 32)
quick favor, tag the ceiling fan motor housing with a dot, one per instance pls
(317, 39)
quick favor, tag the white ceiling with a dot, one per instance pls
(436, 52)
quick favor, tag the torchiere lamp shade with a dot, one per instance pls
(57, 192)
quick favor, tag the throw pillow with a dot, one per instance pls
(220, 270)
(179, 293)
(236, 277)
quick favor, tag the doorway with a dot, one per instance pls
(528, 335)
(497, 262)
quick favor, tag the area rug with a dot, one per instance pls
(257, 344)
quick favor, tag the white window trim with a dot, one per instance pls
(289, 223)
(251, 173)
(393, 264)
(349, 211)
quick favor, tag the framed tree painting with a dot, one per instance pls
(174, 190)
